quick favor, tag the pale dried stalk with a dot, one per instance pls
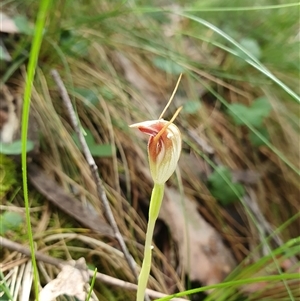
(94, 170)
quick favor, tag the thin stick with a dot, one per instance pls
(94, 170)
(6, 243)
(171, 98)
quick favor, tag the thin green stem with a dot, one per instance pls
(235, 283)
(92, 285)
(150, 9)
(155, 204)
(34, 53)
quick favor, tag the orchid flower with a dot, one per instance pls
(164, 147)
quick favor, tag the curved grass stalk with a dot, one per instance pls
(151, 9)
(235, 283)
(250, 59)
(274, 149)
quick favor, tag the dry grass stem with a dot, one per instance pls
(59, 263)
(94, 170)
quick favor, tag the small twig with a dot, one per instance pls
(94, 170)
(6, 243)
(60, 198)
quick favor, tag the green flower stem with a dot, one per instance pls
(155, 203)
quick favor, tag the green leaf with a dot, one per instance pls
(107, 93)
(10, 221)
(15, 148)
(191, 106)
(74, 44)
(80, 48)
(220, 189)
(4, 55)
(101, 150)
(4, 297)
(88, 94)
(255, 140)
(251, 46)
(167, 65)
(253, 115)
(97, 150)
(23, 25)
(91, 266)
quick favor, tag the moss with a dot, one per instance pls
(7, 174)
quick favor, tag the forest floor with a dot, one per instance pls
(229, 223)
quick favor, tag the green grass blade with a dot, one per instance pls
(255, 131)
(251, 60)
(220, 9)
(92, 285)
(235, 283)
(33, 57)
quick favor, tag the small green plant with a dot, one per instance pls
(10, 221)
(168, 65)
(254, 116)
(73, 45)
(221, 186)
(191, 107)
(89, 95)
(15, 148)
(97, 150)
(23, 25)
(255, 140)
(252, 47)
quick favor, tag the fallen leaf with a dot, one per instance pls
(70, 281)
(9, 121)
(202, 252)
(7, 24)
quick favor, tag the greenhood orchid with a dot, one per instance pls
(164, 147)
